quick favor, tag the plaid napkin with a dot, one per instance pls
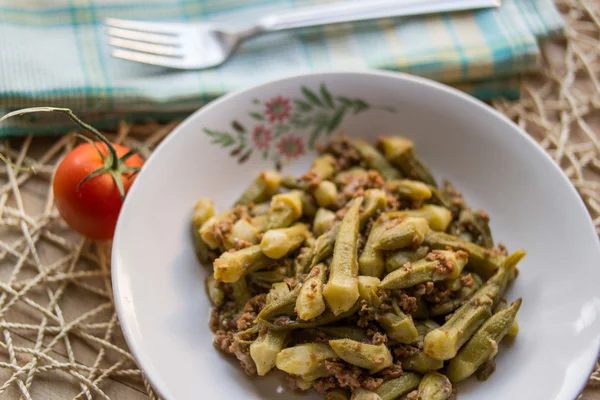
(54, 53)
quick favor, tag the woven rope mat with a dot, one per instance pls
(59, 334)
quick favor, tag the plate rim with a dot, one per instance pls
(141, 359)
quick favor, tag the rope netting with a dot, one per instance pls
(59, 333)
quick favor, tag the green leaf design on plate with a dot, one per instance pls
(238, 127)
(256, 101)
(257, 116)
(311, 97)
(302, 105)
(360, 105)
(314, 136)
(224, 139)
(328, 99)
(336, 120)
(345, 101)
(245, 156)
(265, 154)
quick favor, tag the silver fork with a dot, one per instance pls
(205, 44)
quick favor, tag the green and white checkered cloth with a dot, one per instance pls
(54, 53)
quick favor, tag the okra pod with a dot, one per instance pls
(434, 386)
(475, 225)
(341, 290)
(443, 343)
(244, 230)
(342, 178)
(438, 217)
(324, 244)
(375, 160)
(261, 189)
(203, 210)
(438, 265)
(324, 220)
(336, 394)
(398, 326)
(233, 265)
(400, 257)
(309, 204)
(327, 318)
(484, 262)
(400, 152)
(261, 222)
(310, 303)
(375, 201)
(373, 357)
(306, 360)
(409, 232)
(414, 190)
(371, 261)
(345, 332)
(277, 243)
(421, 362)
(282, 305)
(364, 394)
(215, 291)
(368, 286)
(514, 327)
(456, 301)
(240, 293)
(323, 167)
(483, 345)
(209, 235)
(265, 348)
(325, 193)
(285, 209)
(278, 290)
(394, 388)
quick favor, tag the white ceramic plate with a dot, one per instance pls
(158, 283)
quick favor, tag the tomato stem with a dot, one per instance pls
(114, 165)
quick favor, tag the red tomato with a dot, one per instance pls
(92, 208)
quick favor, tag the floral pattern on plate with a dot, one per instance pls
(282, 129)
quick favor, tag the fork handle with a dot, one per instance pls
(360, 10)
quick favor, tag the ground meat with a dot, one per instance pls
(291, 382)
(407, 302)
(355, 186)
(214, 320)
(345, 154)
(366, 315)
(377, 337)
(292, 283)
(414, 395)
(324, 384)
(467, 280)
(502, 249)
(444, 264)
(392, 372)
(282, 320)
(405, 350)
(230, 344)
(346, 375)
(439, 293)
(371, 383)
(239, 244)
(250, 311)
(349, 376)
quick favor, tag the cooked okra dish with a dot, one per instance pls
(361, 279)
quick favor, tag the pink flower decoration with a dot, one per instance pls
(261, 137)
(278, 109)
(291, 147)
